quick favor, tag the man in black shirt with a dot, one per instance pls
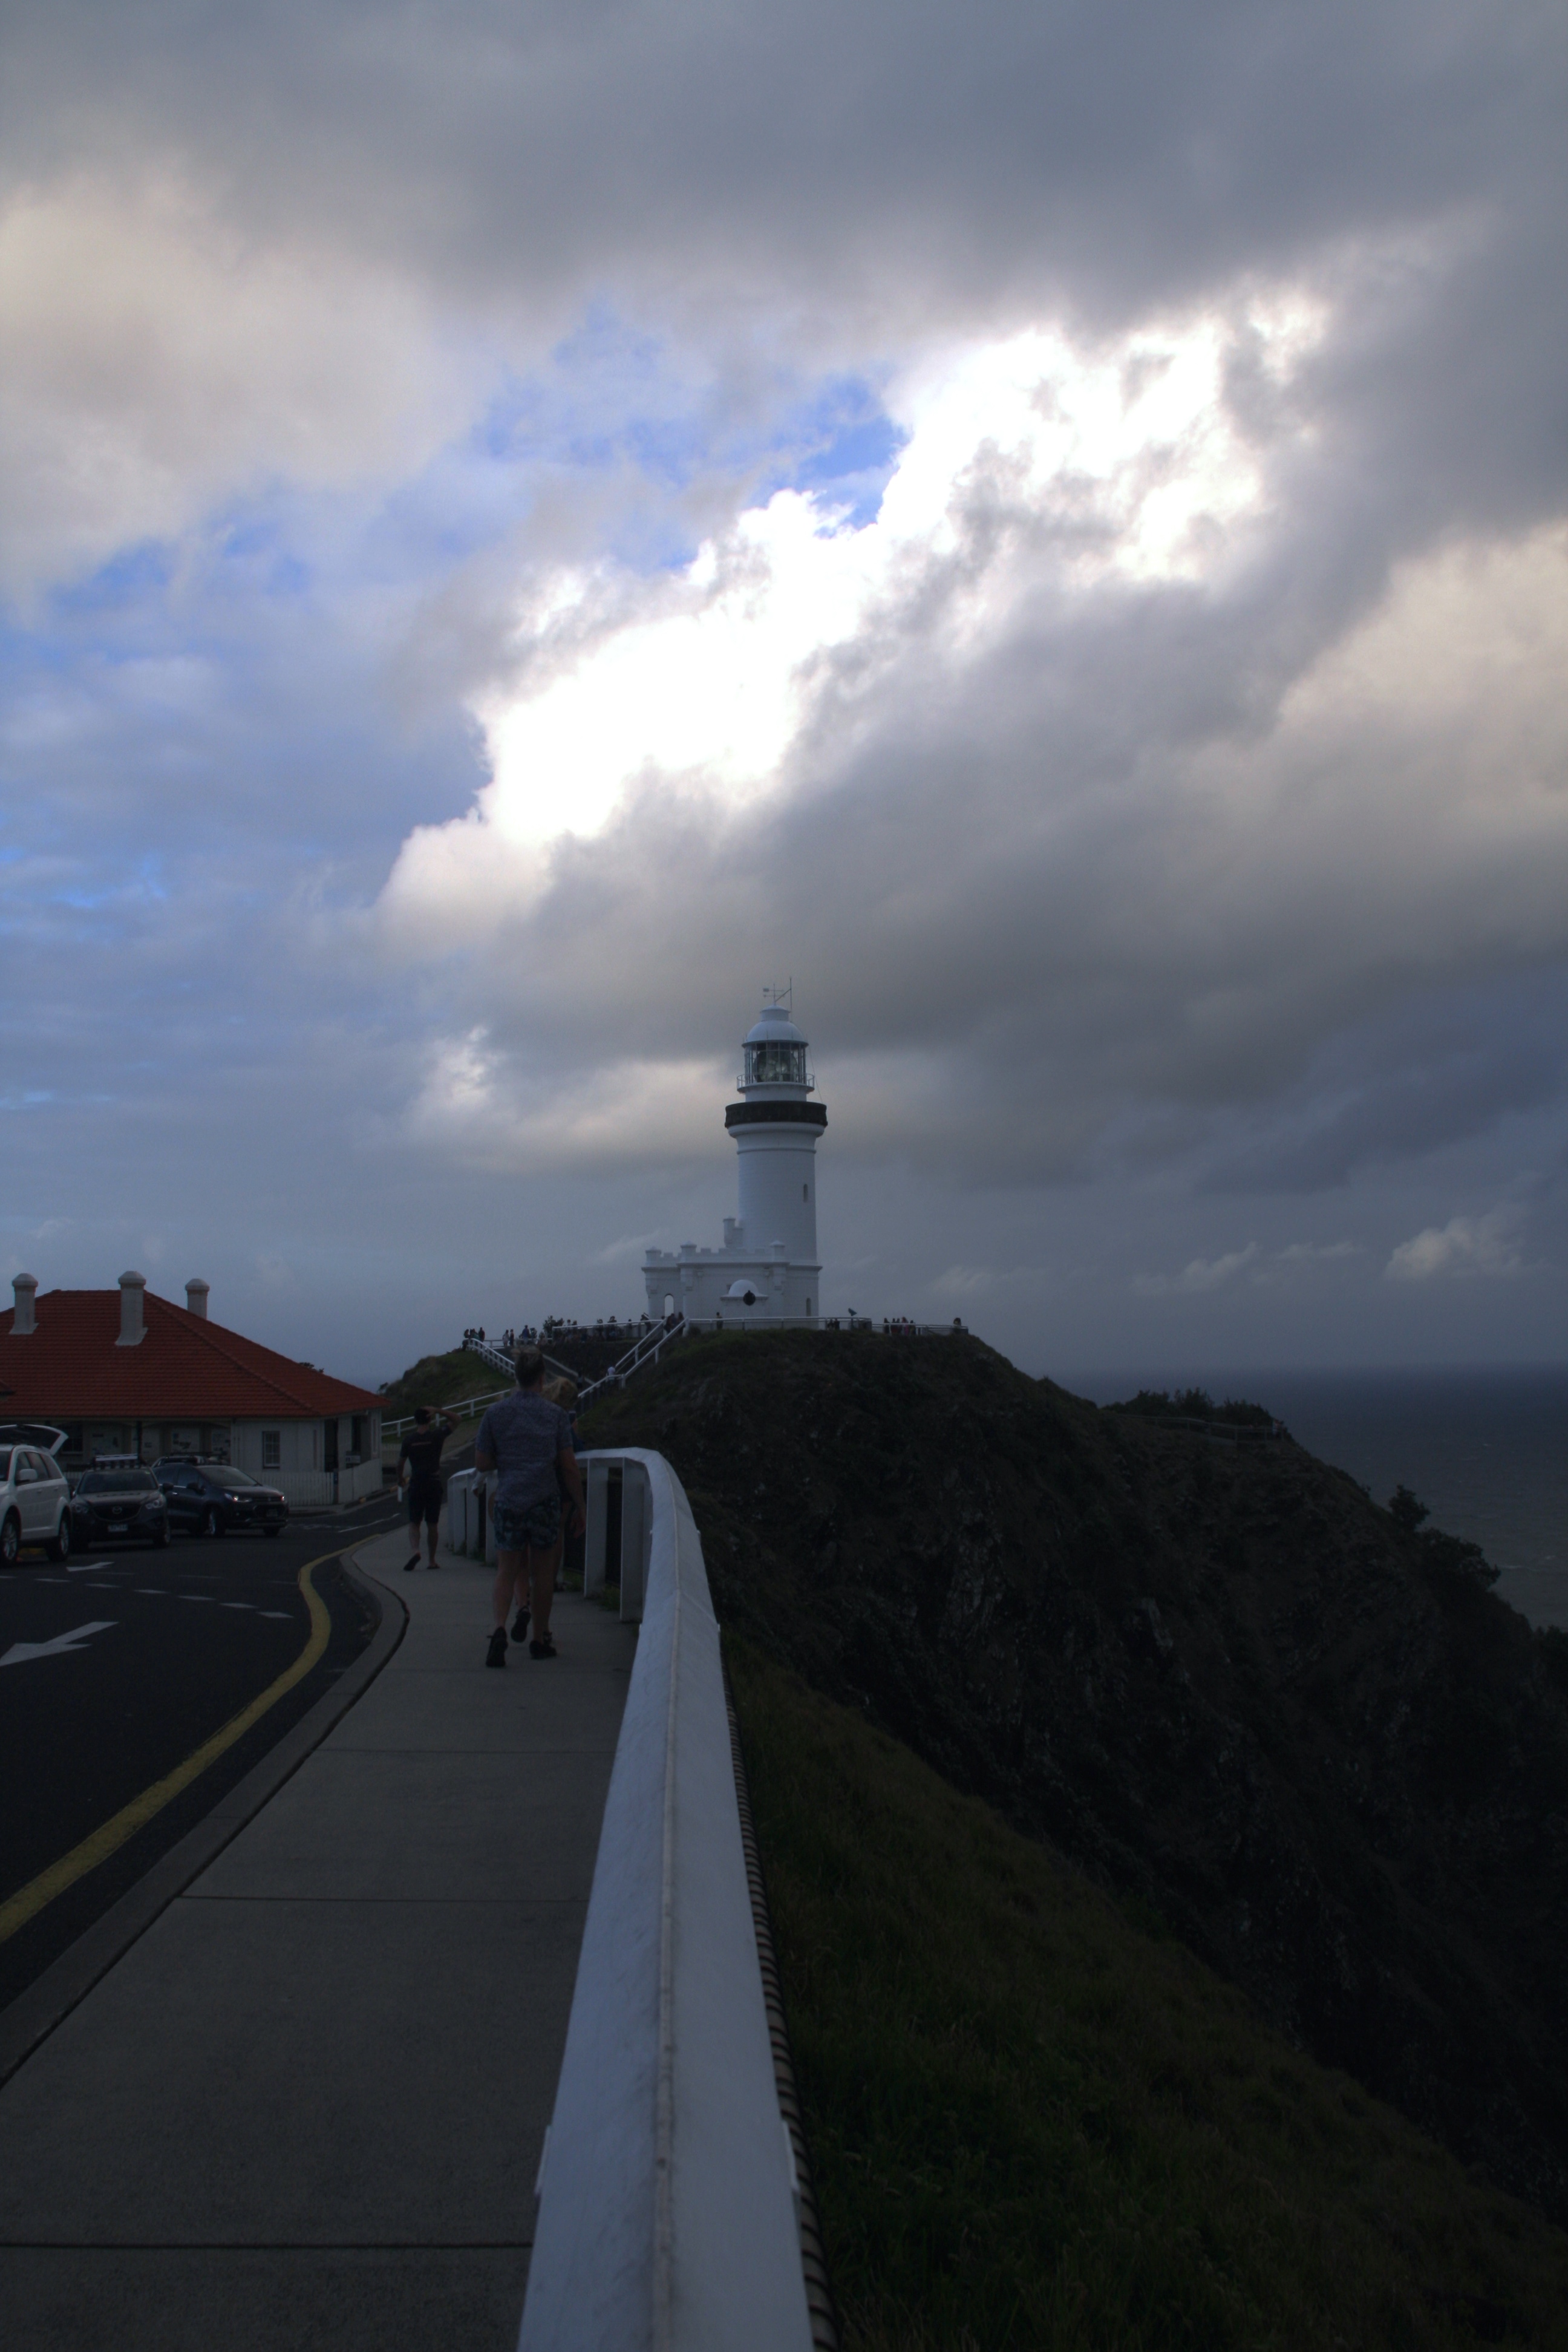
(420, 1462)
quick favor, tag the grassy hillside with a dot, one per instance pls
(1036, 2124)
(1219, 1678)
(439, 1380)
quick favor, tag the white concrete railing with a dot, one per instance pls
(667, 2215)
(468, 1529)
(471, 1527)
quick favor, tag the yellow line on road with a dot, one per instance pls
(30, 1900)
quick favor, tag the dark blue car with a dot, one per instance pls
(212, 1498)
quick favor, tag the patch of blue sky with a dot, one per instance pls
(840, 446)
(613, 401)
(40, 1098)
(130, 577)
(252, 546)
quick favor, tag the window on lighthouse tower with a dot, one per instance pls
(773, 1064)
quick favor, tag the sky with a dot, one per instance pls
(1047, 529)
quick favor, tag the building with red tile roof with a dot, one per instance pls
(126, 1371)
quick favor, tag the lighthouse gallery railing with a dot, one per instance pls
(667, 2190)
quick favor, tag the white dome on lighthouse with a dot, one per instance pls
(773, 1026)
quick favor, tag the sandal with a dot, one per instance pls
(543, 1648)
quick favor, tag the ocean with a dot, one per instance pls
(1485, 1451)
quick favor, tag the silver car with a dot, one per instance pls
(35, 1503)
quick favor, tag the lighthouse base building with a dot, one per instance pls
(766, 1270)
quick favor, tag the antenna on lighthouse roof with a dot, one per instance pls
(784, 995)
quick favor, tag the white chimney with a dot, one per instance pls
(196, 1297)
(24, 1320)
(132, 1331)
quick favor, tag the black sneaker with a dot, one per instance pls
(496, 1654)
(543, 1649)
(519, 1627)
(409, 1565)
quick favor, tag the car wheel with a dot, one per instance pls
(60, 1549)
(10, 1540)
(211, 1525)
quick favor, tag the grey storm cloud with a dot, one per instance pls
(1122, 154)
(1259, 878)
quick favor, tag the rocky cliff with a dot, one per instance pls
(1217, 1677)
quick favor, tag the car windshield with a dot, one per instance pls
(226, 1477)
(117, 1482)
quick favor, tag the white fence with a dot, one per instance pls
(465, 1410)
(667, 2191)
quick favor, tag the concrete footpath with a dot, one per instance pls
(305, 2109)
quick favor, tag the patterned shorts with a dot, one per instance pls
(534, 1527)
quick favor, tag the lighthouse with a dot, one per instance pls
(767, 1270)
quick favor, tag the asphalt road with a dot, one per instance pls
(116, 1672)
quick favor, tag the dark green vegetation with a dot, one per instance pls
(1195, 1405)
(1034, 2123)
(1216, 1676)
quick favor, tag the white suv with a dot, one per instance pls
(35, 1503)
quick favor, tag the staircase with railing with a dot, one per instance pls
(645, 1350)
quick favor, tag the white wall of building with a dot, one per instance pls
(298, 1447)
(709, 1282)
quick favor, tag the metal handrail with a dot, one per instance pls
(666, 2214)
(504, 1362)
(647, 1351)
(461, 1409)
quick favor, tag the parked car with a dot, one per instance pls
(35, 1503)
(117, 1498)
(41, 1433)
(212, 1497)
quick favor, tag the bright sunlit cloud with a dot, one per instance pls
(1022, 458)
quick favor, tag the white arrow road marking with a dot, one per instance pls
(86, 1566)
(20, 1652)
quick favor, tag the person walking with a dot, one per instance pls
(525, 1441)
(420, 1466)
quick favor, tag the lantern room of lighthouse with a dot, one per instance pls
(767, 1270)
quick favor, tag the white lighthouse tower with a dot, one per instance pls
(767, 1271)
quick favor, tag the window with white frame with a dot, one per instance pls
(272, 1449)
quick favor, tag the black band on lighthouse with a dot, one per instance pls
(777, 1114)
